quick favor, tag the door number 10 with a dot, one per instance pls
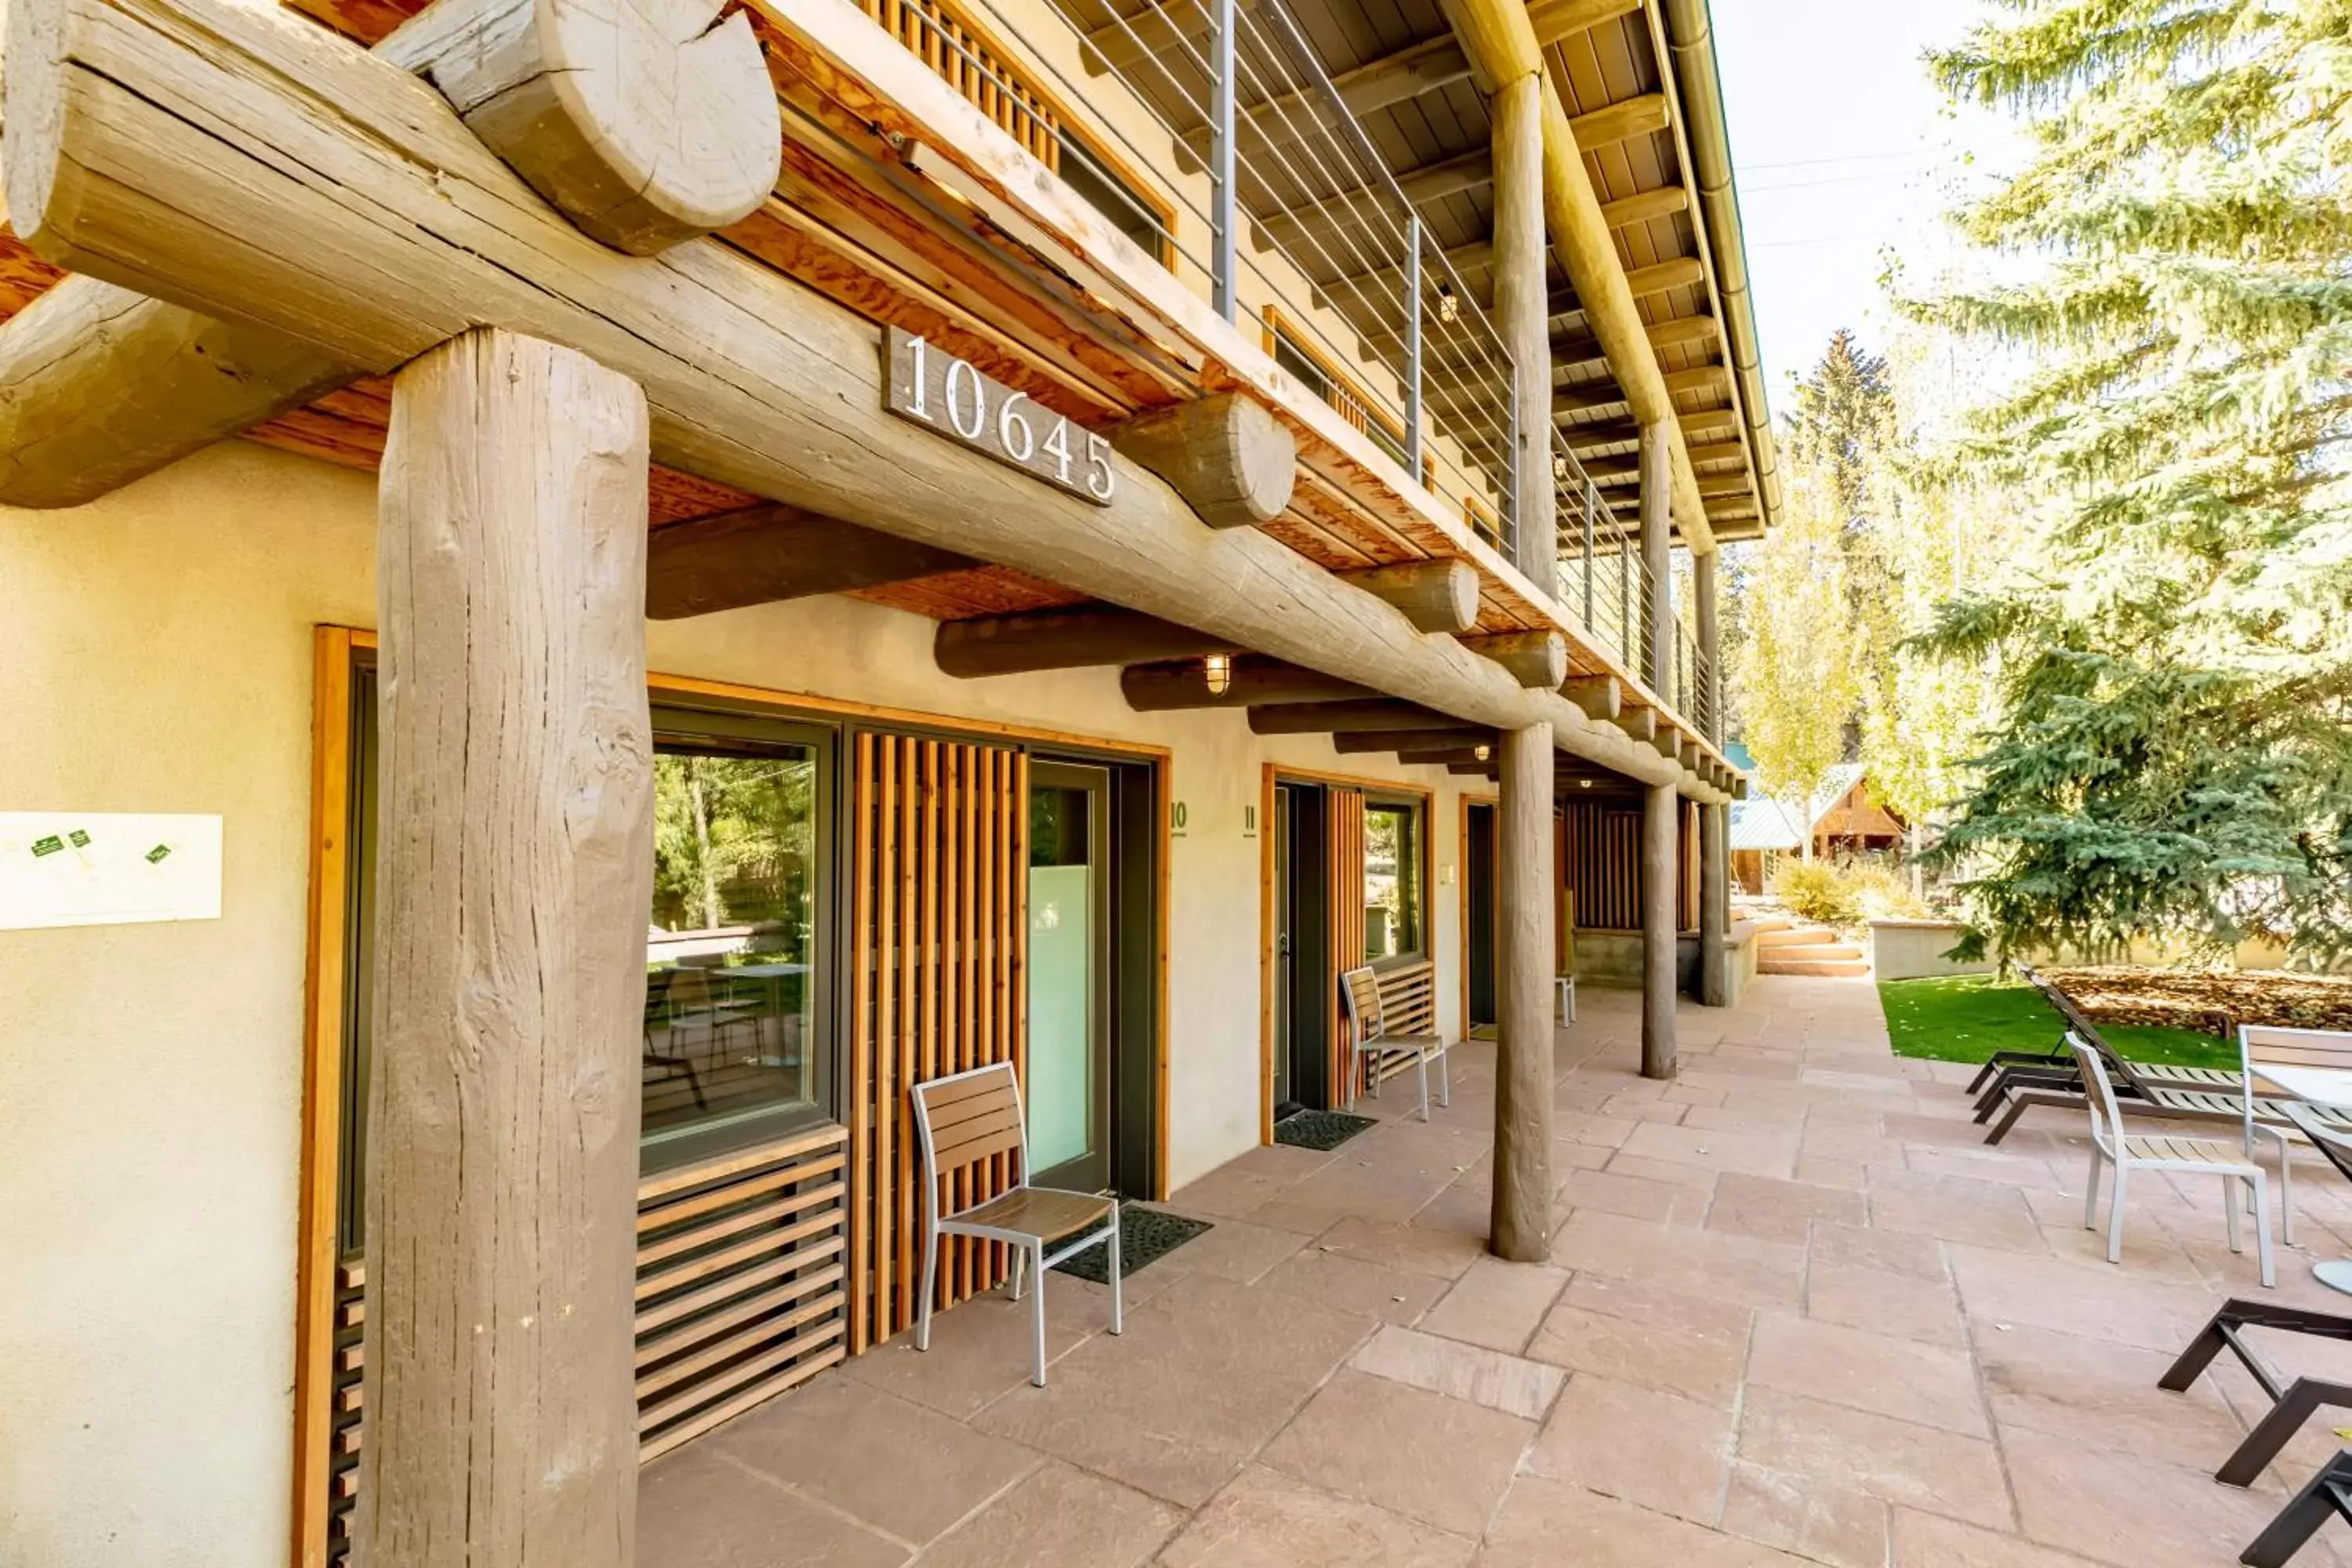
(954, 397)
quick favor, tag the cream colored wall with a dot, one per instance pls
(156, 655)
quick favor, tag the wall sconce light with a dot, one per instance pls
(1483, 753)
(1584, 784)
(1217, 668)
(1449, 308)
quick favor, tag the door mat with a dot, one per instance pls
(1145, 1236)
(1320, 1129)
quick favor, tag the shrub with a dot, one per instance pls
(1816, 890)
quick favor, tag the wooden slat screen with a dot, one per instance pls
(1602, 860)
(1346, 861)
(740, 1297)
(940, 909)
(959, 54)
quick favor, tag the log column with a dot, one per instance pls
(1657, 455)
(1714, 821)
(1659, 803)
(1714, 906)
(515, 869)
(1520, 1220)
(1521, 316)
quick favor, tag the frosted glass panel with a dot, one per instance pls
(1061, 975)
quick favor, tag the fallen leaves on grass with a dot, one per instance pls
(2211, 1002)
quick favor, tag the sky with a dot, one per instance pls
(1844, 150)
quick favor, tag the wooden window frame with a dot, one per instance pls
(1273, 775)
(1423, 804)
(336, 655)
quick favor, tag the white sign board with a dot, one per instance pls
(98, 868)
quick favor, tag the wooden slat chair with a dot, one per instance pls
(967, 1116)
(1360, 992)
(2115, 1146)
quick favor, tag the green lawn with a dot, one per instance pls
(1966, 1018)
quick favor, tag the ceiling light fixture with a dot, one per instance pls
(1218, 670)
(1559, 467)
(1485, 753)
(1449, 306)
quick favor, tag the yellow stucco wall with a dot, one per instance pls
(156, 655)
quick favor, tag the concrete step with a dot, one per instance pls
(1766, 924)
(1819, 967)
(1795, 936)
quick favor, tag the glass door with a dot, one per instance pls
(1069, 1087)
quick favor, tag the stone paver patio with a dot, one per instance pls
(1795, 1312)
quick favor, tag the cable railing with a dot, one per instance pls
(1278, 205)
(1604, 584)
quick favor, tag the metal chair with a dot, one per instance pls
(967, 1116)
(1360, 992)
(2113, 1144)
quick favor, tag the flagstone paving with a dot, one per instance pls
(1795, 1312)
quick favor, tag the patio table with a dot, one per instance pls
(2330, 1087)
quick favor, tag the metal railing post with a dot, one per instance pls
(1625, 605)
(1592, 505)
(1412, 341)
(1223, 256)
(1511, 493)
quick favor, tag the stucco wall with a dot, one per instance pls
(156, 655)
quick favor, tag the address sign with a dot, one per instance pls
(953, 396)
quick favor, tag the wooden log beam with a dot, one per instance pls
(1075, 638)
(1174, 685)
(1429, 66)
(1223, 454)
(1642, 206)
(1447, 757)
(1519, 1218)
(1424, 186)
(588, 102)
(509, 980)
(101, 386)
(1714, 906)
(1640, 725)
(774, 552)
(1536, 660)
(1378, 714)
(1502, 46)
(1642, 115)
(379, 227)
(1366, 743)
(1440, 596)
(1697, 426)
(1598, 697)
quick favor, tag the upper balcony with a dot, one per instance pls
(1096, 238)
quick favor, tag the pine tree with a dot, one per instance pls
(2174, 750)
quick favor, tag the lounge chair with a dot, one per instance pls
(2058, 1062)
(2292, 1403)
(2329, 1492)
(2148, 1088)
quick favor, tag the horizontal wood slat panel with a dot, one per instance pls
(739, 1288)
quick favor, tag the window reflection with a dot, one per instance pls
(1392, 880)
(729, 1029)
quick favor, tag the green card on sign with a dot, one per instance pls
(79, 839)
(158, 853)
(49, 845)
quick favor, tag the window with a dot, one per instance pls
(734, 1030)
(1393, 868)
(1353, 406)
(1088, 174)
